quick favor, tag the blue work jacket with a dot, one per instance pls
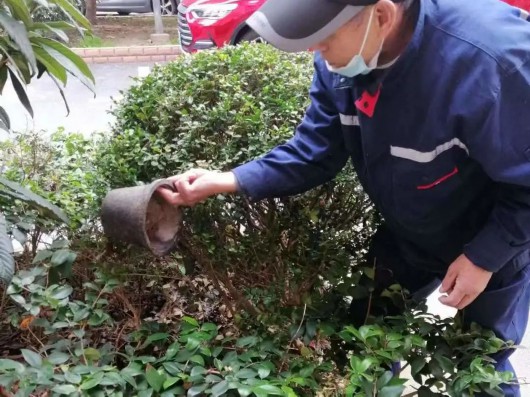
(440, 141)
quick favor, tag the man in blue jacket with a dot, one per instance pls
(431, 101)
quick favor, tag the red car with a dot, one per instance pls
(524, 4)
(214, 23)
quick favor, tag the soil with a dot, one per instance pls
(124, 31)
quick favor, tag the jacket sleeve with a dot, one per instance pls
(502, 147)
(312, 157)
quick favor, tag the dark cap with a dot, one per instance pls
(297, 25)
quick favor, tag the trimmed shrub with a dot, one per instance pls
(217, 110)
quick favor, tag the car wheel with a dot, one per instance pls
(168, 7)
(250, 35)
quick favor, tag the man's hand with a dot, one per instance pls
(197, 185)
(463, 282)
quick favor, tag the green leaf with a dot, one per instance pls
(172, 350)
(92, 354)
(172, 368)
(7, 263)
(72, 378)
(263, 372)
(5, 122)
(384, 354)
(211, 378)
(69, 60)
(446, 364)
(267, 389)
(62, 25)
(62, 292)
(19, 236)
(57, 358)
(157, 337)
(192, 343)
(7, 365)
(19, 10)
(63, 256)
(32, 358)
(3, 81)
(220, 389)
(41, 256)
(307, 371)
(18, 299)
(417, 365)
(174, 391)
(190, 321)
(208, 327)
(244, 391)
(196, 390)
(49, 27)
(170, 382)
(72, 13)
(384, 379)
(21, 92)
(18, 34)
(311, 329)
(92, 382)
(15, 60)
(154, 378)
(112, 379)
(145, 393)
(60, 92)
(128, 375)
(64, 389)
(247, 341)
(197, 370)
(246, 373)
(51, 64)
(197, 360)
(391, 391)
(44, 206)
(360, 366)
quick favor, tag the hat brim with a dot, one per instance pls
(298, 25)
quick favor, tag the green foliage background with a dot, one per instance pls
(254, 301)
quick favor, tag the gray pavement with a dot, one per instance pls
(87, 113)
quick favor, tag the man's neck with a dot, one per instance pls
(401, 34)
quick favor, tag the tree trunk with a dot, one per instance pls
(91, 11)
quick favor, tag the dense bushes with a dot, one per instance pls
(51, 13)
(218, 110)
(268, 282)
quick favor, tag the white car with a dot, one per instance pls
(125, 7)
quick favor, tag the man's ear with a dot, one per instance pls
(385, 16)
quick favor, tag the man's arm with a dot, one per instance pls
(502, 147)
(312, 157)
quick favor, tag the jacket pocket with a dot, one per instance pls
(419, 189)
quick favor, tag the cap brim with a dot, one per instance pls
(297, 25)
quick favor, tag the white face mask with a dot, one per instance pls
(357, 65)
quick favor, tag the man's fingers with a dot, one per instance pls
(170, 196)
(448, 282)
(466, 301)
(190, 175)
(454, 299)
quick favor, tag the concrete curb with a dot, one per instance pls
(159, 53)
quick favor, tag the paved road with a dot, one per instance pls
(87, 113)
